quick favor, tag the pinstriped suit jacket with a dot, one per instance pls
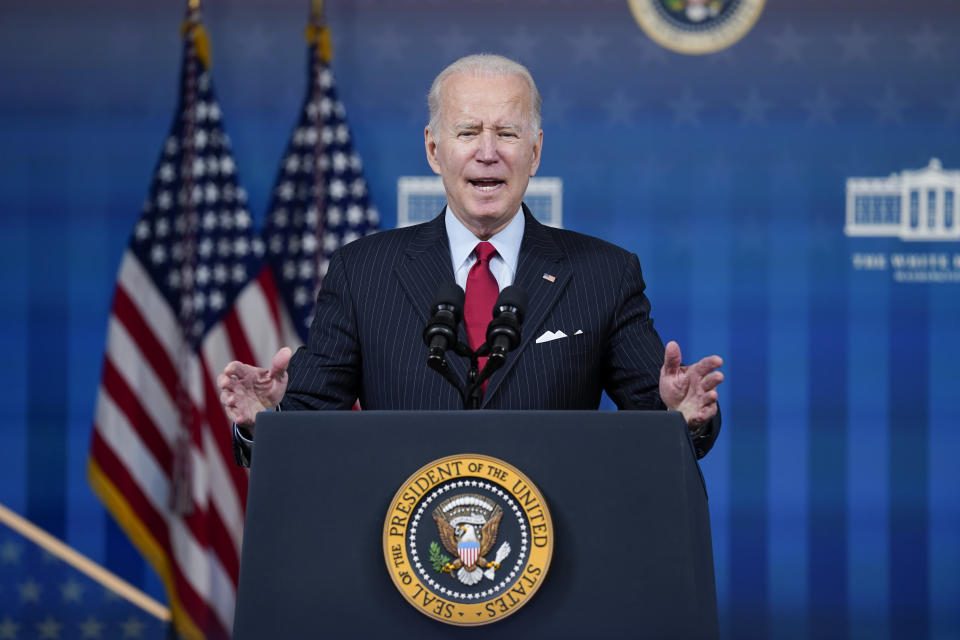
(365, 341)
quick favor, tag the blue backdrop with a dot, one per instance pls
(835, 492)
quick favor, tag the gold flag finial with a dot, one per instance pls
(318, 35)
(193, 28)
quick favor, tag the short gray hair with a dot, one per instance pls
(484, 65)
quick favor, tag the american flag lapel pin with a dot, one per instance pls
(549, 277)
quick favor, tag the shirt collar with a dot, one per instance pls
(506, 241)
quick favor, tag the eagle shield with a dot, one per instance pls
(469, 551)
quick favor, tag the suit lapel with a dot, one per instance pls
(425, 265)
(539, 256)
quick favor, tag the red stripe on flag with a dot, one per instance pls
(222, 544)
(140, 332)
(116, 387)
(116, 470)
(153, 351)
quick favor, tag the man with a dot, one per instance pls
(484, 140)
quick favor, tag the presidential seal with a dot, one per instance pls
(468, 539)
(696, 26)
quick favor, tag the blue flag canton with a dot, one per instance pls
(195, 236)
(320, 200)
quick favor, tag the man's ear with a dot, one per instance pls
(431, 147)
(537, 148)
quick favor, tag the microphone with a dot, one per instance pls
(440, 334)
(503, 332)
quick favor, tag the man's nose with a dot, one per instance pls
(487, 151)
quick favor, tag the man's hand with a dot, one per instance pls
(691, 390)
(246, 390)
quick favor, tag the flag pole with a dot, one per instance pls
(83, 564)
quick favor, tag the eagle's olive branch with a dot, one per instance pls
(441, 563)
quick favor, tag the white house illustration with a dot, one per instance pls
(421, 198)
(914, 205)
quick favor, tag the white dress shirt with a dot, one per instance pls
(506, 242)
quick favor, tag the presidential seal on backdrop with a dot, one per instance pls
(696, 26)
(468, 539)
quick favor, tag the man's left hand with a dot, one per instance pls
(691, 389)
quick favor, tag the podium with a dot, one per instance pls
(632, 553)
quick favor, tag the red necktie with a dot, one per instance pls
(481, 294)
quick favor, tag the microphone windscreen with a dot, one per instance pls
(449, 293)
(513, 296)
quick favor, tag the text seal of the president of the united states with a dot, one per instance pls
(468, 539)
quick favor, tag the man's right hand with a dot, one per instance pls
(246, 390)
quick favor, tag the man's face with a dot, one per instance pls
(485, 150)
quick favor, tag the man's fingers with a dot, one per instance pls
(280, 362)
(711, 380)
(235, 368)
(707, 365)
(706, 413)
(230, 406)
(672, 358)
(224, 381)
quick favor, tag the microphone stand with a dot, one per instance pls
(475, 378)
(473, 394)
(437, 361)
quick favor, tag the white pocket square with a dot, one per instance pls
(551, 335)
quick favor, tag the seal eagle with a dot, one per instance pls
(468, 526)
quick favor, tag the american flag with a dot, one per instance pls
(320, 200)
(191, 295)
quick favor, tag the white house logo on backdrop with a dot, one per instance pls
(421, 198)
(696, 26)
(915, 206)
(912, 205)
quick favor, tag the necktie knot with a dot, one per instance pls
(484, 251)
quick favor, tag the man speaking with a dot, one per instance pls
(587, 326)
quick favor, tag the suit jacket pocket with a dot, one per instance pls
(570, 348)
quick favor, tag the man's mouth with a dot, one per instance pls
(486, 184)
